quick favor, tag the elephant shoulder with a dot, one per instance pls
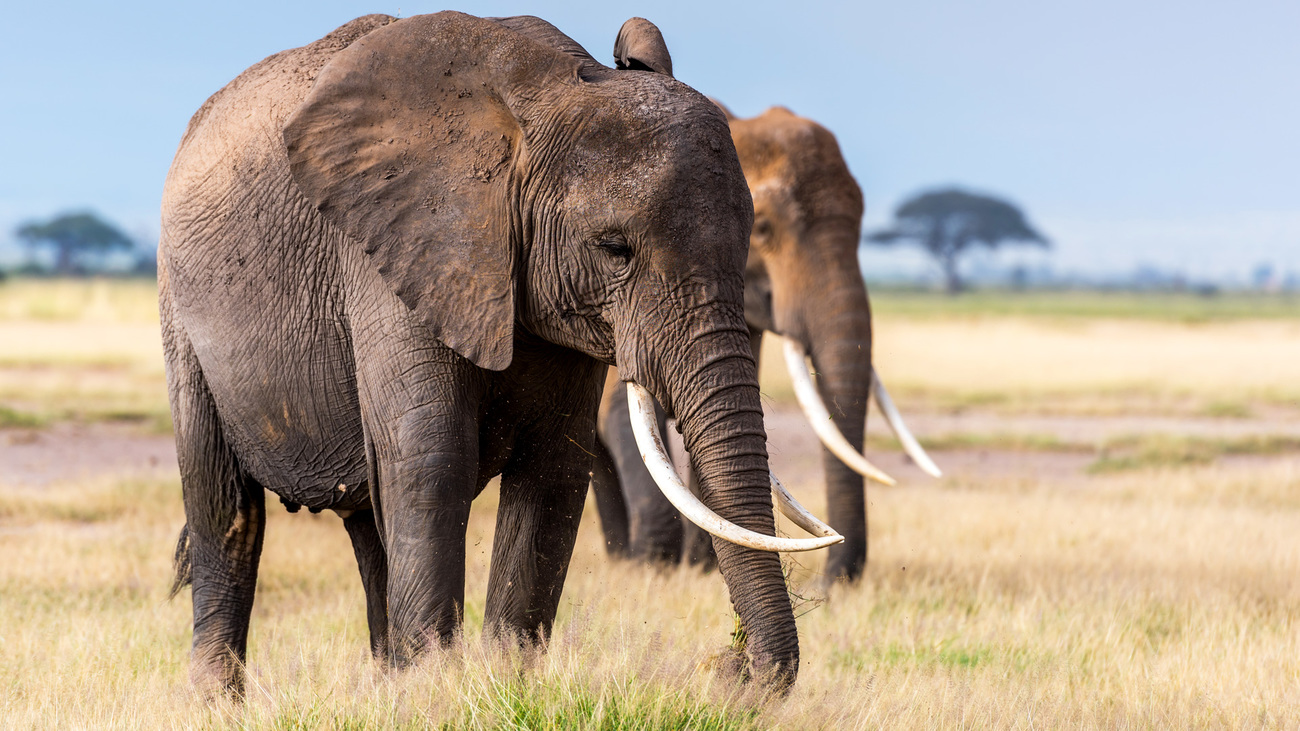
(280, 81)
(236, 133)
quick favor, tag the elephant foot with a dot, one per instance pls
(220, 676)
(407, 651)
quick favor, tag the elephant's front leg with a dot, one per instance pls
(543, 489)
(427, 481)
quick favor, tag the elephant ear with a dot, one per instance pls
(640, 47)
(407, 143)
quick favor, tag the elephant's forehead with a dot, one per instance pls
(649, 119)
(795, 164)
(657, 149)
(664, 166)
(648, 151)
(774, 189)
(778, 143)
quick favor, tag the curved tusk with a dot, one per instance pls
(798, 514)
(650, 443)
(820, 418)
(895, 419)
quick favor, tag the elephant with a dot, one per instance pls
(396, 263)
(802, 284)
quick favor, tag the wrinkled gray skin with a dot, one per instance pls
(802, 281)
(395, 263)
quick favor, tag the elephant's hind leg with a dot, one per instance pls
(372, 561)
(225, 522)
(609, 500)
(654, 527)
(224, 575)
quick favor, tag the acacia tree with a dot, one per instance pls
(72, 236)
(948, 222)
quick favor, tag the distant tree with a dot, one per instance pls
(72, 236)
(947, 223)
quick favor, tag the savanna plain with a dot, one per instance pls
(1116, 543)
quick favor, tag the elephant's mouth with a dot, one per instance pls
(796, 361)
(653, 452)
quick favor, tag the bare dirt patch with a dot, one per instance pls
(69, 452)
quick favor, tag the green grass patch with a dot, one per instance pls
(150, 420)
(11, 418)
(524, 702)
(945, 653)
(1227, 410)
(565, 703)
(1159, 624)
(1163, 451)
(1014, 442)
(1178, 307)
(1118, 454)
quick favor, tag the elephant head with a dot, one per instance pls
(509, 188)
(803, 283)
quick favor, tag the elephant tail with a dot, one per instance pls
(181, 563)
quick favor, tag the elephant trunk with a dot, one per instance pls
(840, 346)
(838, 339)
(716, 401)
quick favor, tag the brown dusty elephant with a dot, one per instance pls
(802, 283)
(396, 263)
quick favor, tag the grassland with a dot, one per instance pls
(89, 351)
(1163, 599)
(81, 351)
(1085, 353)
(1161, 593)
(1087, 305)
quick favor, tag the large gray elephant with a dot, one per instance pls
(395, 263)
(802, 283)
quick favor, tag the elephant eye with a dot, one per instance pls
(616, 248)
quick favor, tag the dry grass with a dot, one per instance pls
(81, 351)
(87, 351)
(1085, 367)
(1160, 598)
(1164, 594)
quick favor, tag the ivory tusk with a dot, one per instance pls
(895, 419)
(820, 418)
(650, 443)
(798, 514)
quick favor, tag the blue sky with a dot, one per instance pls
(1132, 132)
